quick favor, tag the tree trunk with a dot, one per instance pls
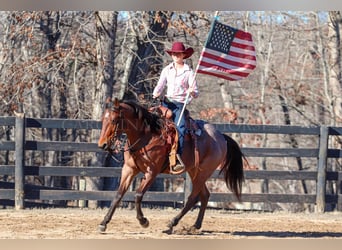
(335, 83)
(335, 79)
(106, 25)
(147, 64)
(50, 27)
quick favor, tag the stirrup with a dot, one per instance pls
(179, 165)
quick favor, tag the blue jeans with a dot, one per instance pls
(176, 108)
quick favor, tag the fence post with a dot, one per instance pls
(82, 187)
(19, 161)
(322, 168)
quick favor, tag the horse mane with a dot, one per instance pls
(154, 121)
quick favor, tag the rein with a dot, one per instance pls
(115, 137)
(132, 145)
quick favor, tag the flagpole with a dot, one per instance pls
(193, 81)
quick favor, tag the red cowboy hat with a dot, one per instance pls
(178, 47)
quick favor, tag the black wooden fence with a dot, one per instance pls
(21, 193)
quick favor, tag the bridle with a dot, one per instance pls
(112, 141)
(113, 146)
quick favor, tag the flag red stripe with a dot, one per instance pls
(227, 61)
(237, 54)
(224, 69)
(227, 68)
(242, 46)
(243, 35)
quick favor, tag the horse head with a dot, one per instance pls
(110, 124)
(126, 117)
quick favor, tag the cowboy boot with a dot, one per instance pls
(179, 165)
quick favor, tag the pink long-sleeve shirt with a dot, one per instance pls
(177, 83)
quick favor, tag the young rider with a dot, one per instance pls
(178, 78)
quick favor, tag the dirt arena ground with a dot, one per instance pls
(218, 224)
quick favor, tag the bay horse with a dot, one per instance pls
(146, 151)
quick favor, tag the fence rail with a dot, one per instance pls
(21, 192)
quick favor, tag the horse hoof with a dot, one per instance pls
(145, 223)
(168, 231)
(102, 228)
(193, 230)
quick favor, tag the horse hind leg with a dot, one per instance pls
(204, 198)
(190, 203)
(127, 176)
(192, 200)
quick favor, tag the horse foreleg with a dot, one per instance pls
(140, 216)
(127, 176)
(144, 186)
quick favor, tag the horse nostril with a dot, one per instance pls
(103, 146)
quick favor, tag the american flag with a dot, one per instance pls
(229, 53)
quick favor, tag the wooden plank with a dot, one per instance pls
(6, 185)
(275, 175)
(163, 197)
(7, 121)
(157, 196)
(331, 198)
(266, 129)
(84, 171)
(92, 147)
(101, 195)
(281, 175)
(7, 194)
(279, 198)
(62, 146)
(10, 185)
(116, 172)
(281, 152)
(225, 128)
(73, 171)
(7, 145)
(334, 153)
(335, 130)
(7, 170)
(62, 123)
(332, 175)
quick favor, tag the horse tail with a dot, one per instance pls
(233, 167)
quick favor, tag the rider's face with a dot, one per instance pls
(177, 57)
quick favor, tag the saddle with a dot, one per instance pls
(170, 133)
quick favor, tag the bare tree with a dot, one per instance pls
(106, 25)
(147, 63)
(335, 79)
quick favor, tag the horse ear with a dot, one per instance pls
(108, 103)
(108, 99)
(116, 102)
